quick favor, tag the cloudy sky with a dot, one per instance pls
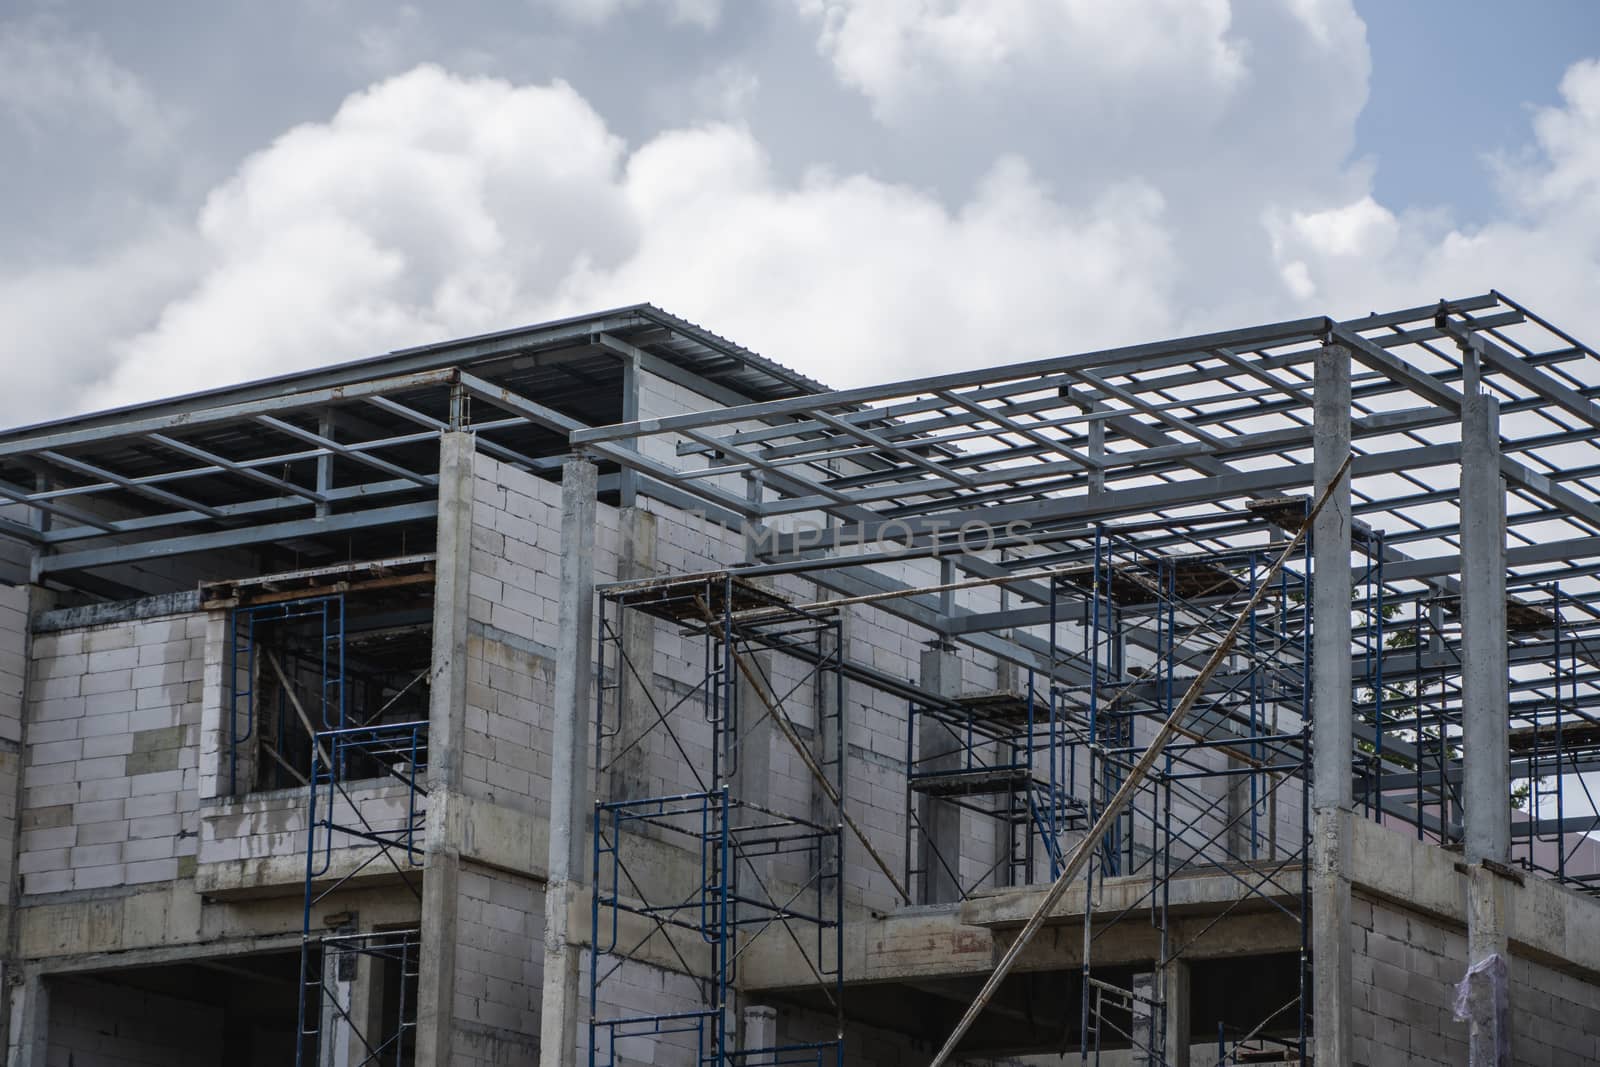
(198, 192)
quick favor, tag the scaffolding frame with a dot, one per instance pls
(245, 669)
(1177, 433)
(1195, 444)
(1001, 759)
(1182, 436)
(335, 819)
(743, 847)
(1162, 606)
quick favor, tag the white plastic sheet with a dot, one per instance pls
(1483, 998)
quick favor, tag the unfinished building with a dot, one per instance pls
(600, 692)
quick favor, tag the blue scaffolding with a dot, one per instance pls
(1000, 756)
(762, 871)
(393, 841)
(1141, 619)
(248, 663)
(349, 833)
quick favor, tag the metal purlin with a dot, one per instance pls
(731, 904)
(1277, 650)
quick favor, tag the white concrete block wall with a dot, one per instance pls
(105, 1024)
(635, 989)
(513, 592)
(1406, 969)
(499, 933)
(110, 770)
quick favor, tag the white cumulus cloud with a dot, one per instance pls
(432, 205)
(1543, 249)
(703, 13)
(897, 51)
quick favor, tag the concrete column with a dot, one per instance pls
(1485, 742)
(760, 1032)
(1332, 946)
(336, 1037)
(366, 1005)
(1175, 995)
(1486, 776)
(30, 1022)
(1486, 937)
(752, 741)
(446, 714)
(939, 850)
(636, 558)
(569, 792)
(1145, 1028)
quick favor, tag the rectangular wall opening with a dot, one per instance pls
(361, 657)
(239, 1011)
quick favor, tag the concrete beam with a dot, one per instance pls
(934, 944)
(636, 558)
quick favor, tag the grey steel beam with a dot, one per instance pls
(1396, 370)
(660, 472)
(1134, 357)
(249, 535)
(365, 491)
(232, 412)
(1040, 514)
(1549, 490)
(241, 469)
(1521, 768)
(896, 419)
(651, 363)
(131, 485)
(18, 532)
(1011, 425)
(514, 402)
(1139, 403)
(909, 455)
(18, 495)
(1526, 375)
(359, 455)
(499, 451)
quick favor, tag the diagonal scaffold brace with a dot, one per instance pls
(787, 728)
(1075, 862)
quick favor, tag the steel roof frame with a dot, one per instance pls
(241, 466)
